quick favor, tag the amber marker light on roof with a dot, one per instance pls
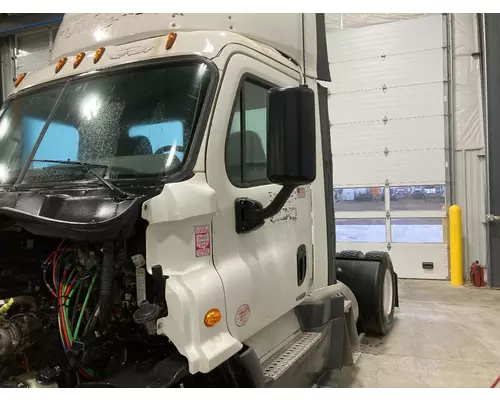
(20, 78)
(98, 54)
(78, 59)
(170, 40)
(61, 64)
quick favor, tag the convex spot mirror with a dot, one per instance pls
(291, 135)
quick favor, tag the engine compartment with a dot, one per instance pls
(79, 313)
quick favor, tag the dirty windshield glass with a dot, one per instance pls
(132, 124)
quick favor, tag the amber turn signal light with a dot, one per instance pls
(212, 317)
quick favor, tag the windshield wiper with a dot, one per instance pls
(87, 168)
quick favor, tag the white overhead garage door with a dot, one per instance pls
(26, 52)
(388, 114)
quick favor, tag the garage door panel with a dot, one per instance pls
(32, 61)
(399, 167)
(421, 133)
(394, 38)
(403, 102)
(407, 259)
(32, 51)
(388, 125)
(373, 74)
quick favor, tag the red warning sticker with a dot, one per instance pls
(202, 240)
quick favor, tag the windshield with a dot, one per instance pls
(134, 123)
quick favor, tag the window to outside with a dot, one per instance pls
(364, 230)
(246, 161)
(422, 198)
(133, 123)
(360, 199)
(417, 230)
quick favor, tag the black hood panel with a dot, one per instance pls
(72, 215)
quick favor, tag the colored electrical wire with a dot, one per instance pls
(67, 281)
(92, 283)
(75, 304)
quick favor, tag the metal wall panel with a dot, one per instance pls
(8, 66)
(470, 192)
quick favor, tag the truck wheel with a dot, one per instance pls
(350, 254)
(377, 256)
(373, 282)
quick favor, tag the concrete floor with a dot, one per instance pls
(443, 337)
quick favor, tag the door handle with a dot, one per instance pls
(301, 264)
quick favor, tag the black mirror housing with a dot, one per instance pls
(291, 153)
(291, 136)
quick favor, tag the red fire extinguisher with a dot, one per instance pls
(477, 274)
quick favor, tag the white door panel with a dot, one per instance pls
(402, 102)
(374, 73)
(399, 168)
(412, 35)
(372, 137)
(256, 266)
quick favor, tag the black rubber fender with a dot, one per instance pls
(365, 278)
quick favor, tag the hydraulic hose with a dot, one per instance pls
(106, 284)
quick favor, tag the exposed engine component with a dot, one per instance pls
(18, 333)
(77, 320)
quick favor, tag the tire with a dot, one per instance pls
(350, 254)
(377, 256)
(373, 282)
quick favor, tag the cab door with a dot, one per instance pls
(266, 272)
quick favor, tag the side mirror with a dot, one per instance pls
(291, 136)
(291, 153)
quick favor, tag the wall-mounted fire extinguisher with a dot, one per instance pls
(477, 274)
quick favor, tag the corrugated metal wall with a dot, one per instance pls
(470, 194)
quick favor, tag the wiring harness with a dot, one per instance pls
(72, 286)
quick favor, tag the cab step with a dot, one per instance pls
(279, 363)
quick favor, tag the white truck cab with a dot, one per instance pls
(193, 150)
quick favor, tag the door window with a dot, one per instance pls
(246, 160)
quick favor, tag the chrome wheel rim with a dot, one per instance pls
(388, 293)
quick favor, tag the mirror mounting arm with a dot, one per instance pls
(251, 214)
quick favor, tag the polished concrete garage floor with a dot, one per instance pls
(443, 337)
